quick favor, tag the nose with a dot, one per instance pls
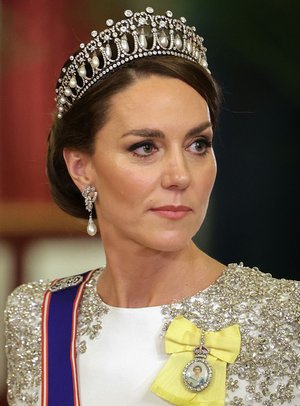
(176, 173)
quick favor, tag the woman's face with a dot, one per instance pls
(153, 165)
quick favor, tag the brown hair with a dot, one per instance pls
(77, 128)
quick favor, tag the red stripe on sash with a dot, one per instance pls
(45, 313)
(45, 331)
(73, 343)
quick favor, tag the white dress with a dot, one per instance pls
(121, 351)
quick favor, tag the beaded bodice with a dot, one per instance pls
(266, 310)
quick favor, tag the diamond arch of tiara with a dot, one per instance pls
(151, 35)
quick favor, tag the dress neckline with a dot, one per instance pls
(98, 271)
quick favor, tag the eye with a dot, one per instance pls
(143, 149)
(200, 146)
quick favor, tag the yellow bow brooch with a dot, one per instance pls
(181, 339)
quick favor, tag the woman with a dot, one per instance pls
(132, 146)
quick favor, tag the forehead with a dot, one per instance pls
(157, 99)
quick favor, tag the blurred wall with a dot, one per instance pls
(252, 47)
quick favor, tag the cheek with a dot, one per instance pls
(212, 177)
(123, 182)
(206, 180)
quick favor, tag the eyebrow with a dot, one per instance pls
(155, 133)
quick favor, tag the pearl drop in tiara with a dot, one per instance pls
(139, 35)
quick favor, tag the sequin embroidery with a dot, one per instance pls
(266, 309)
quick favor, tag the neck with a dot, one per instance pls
(139, 277)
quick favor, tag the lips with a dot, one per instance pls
(172, 208)
(172, 212)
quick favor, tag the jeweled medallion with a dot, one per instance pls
(66, 283)
(197, 373)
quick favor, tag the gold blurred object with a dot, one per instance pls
(23, 218)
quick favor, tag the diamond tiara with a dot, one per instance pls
(139, 35)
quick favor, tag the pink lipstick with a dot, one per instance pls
(172, 212)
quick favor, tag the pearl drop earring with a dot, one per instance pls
(90, 195)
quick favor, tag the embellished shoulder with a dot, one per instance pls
(23, 331)
(277, 299)
(267, 311)
(23, 316)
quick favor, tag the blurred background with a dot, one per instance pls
(253, 52)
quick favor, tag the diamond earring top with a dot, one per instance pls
(139, 35)
(90, 195)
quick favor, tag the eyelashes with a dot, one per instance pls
(200, 146)
(146, 148)
(143, 148)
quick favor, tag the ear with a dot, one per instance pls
(79, 167)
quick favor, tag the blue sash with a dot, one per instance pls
(59, 324)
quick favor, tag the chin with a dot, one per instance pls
(170, 241)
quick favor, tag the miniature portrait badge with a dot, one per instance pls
(197, 373)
